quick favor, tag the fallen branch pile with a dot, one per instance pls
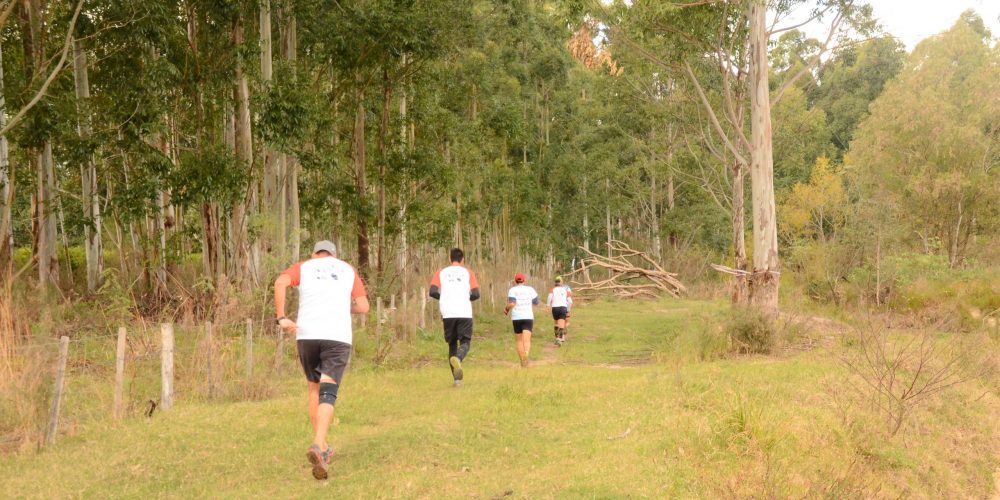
(633, 274)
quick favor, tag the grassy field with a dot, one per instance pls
(642, 402)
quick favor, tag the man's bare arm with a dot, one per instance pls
(280, 287)
(360, 305)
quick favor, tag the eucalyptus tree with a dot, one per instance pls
(851, 80)
(732, 38)
(930, 145)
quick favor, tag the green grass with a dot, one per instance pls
(582, 422)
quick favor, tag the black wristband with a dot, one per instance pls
(278, 320)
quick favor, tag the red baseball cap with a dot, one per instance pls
(519, 278)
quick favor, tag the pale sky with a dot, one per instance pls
(913, 20)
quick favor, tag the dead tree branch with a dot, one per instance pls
(632, 274)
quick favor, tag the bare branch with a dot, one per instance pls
(814, 17)
(711, 114)
(813, 62)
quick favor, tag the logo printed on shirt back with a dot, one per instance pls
(328, 272)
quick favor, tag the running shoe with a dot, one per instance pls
(456, 367)
(320, 460)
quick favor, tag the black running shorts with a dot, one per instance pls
(560, 313)
(520, 325)
(327, 357)
(456, 329)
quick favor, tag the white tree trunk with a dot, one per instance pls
(273, 203)
(88, 175)
(240, 257)
(404, 250)
(654, 215)
(607, 219)
(6, 187)
(291, 167)
(764, 282)
(586, 226)
(48, 263)
(740, 281)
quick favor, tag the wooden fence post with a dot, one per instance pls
(249, 350)
(279, 350)
(208, 360)
(53, 427)
(166, 366)
(116, 410)
(378, 316)
(493, 302)
(423, 308)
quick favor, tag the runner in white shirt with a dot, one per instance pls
(520, 300)
(455, 287)
(560, 301)
(330, 290)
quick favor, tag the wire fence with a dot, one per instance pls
(228, 362)
(231, 361)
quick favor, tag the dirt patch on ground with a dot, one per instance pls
(808, 332)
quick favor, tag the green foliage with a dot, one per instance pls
(928, 147)
(208, 175)
(851, 81)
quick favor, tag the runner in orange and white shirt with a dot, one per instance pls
(455, 287)
(520, 300)
(560, 300)
(330, 290)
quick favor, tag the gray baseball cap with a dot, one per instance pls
(325, 246)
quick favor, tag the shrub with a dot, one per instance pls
(750, 331)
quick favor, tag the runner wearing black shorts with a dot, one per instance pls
(323, 357)
(560, 300)
(560, 313)
(520, 300)
(522, 325)
(455, 287)
(330, 290)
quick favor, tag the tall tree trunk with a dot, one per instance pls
(459, 231)
(291, 169)
(88, 175)
(586, 225)
(404, 193)
(6, 190)
(654, 213)
(360, 180)
(210, 236)
(43, 210)
(766, 266)
(273, 203)
(672, 235)
(383, 130)
(240, 259)
(164, 221)
(740, 292)
(607, 219)
(48, 261)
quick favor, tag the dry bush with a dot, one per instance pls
(24, 396)
(897, 372)
(750, 331)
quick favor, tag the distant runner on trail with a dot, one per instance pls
(330, 290)
(455, 287)
(520, 300)
(560, 300)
